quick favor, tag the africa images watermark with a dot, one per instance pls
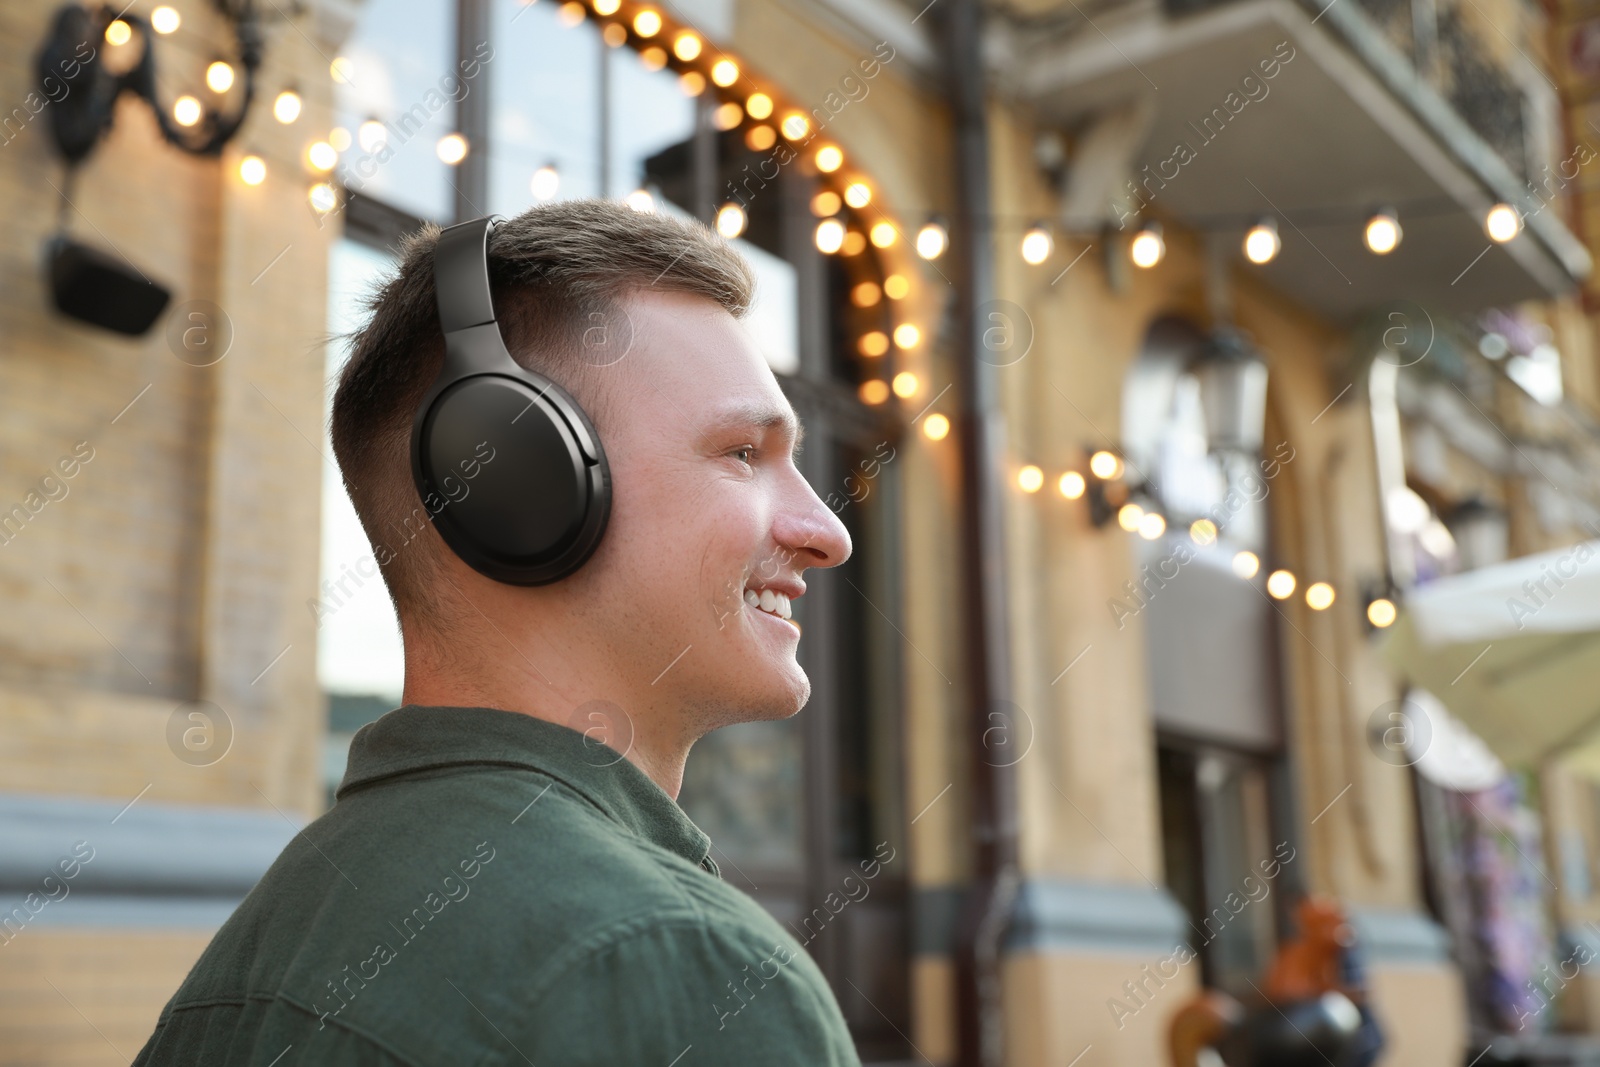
(851, 90)
(1553, 577)
(781, 955)
(1150, 583)
(1140, 993)
(55, 89)
(455, 890)
(335, 595)
(51, 487)
(52, 888)
(1140, 192)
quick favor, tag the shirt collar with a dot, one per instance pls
(417, 738)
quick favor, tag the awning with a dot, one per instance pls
(1513, 651)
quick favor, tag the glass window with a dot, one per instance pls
(398, 67)
(544, 92)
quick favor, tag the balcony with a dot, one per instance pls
(1315, 113)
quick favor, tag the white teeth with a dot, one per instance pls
(773, 603)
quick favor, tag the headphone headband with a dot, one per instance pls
(461, 275)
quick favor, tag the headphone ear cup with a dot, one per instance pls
(513, 476)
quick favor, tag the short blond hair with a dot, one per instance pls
(554, 270)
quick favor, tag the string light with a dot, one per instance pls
(118, 33)
(165, 19)
(1147, 247)
(654, 58)
(1129, 516)
(1152, 526)
(1036, 245)
(730, 220)
(906, 335)
(866, 294)
(932, 239)
(321, 156)
(873, 344)
(186, 110)
(1030, 479)
(1246, 564)
(724, 72)
(252, 170)
(571, 13)
(874, 391)
(1319, 596)
(905, 385)
(686, 47)
(1261, 244)
(1280, 585)
(324, 198)
(1383, 232)
(883, 234)
(647, 23)
(615, 34)
(372, 135)
(1381, 613)
(855, 243)
(761, 138)
(896, 287)
(640, 200)
(830, 236)
(607, 7)
(1072, 485)
(1502, 223)
(727, 116)
(1202, 531)
(759, 106)
(341, 70)
(826, 203)
(546, 181)
(856, 194)
(452, 148)
(829, 158)
(796, 126)
(339, 137)
(286, 108)
(692, 82)
(936, 427)
(1105, 466)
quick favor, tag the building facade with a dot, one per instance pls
(1191, 751)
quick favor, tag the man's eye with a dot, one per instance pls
(744, 455)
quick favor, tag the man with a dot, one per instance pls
(506, 876)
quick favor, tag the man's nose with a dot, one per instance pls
(813, 533)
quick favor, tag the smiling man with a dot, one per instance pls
(506, 876)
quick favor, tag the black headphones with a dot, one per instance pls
(507, 464)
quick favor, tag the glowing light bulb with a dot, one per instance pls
(1129, 516)
(321, 156)
(640, 200)
(686, 46)
(286, 108)
(1502, 223)
(1030, 479)
(1152, 526)
(932, 240)
(724, 72)
(906, 335)
(165, 19)
(873, 344)
(936, 427)
(1261, 244)
(1246, 564)
(896, 286)
(252, 170)
(1381, 613)
(1383, 232)
(1147, 248)
(118, 33)
(1202, 531)
(372, 135)
(795, 126)
(730, 220)
(341, 70)
(219, 77)
(1036, 245)
(1319, 596)
(1072, 485)
(883, 234)
(905, 385)
(830, 236)
(1105, 466)
(829, 158)
(452, 148)
(647, 23)
(546, 181)
(324, 198)
(874, 391)
(1280, 585)
(186, 110)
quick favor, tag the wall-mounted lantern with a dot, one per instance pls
(1233, 392)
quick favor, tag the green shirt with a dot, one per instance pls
(491, 888)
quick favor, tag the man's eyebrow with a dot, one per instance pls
(763, 417)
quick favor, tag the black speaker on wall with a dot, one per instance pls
(101, 289)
